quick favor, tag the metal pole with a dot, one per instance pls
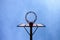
(31, 24)
(30, 33)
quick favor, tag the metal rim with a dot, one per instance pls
(28, 13)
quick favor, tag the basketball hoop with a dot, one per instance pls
(27, 15)
(31, 24)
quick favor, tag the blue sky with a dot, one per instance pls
(12, 13)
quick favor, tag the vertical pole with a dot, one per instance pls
(31, 24)
(30, 33)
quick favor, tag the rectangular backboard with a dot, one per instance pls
(34, 25)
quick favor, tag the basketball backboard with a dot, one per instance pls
(34, 25)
